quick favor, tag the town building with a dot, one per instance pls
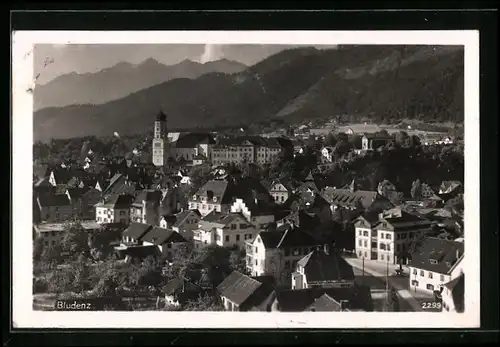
(146, 207)
(249, 149)
(355, 298)
(257, 212)
(322, 268)
(54, 207)
(192, 147)
(185, 222)
(114, 209)
(52, 233)
(434, 263)
(179, 291)
(132, 235)
(370, 142)
(453, 294)
(239, 292)
(167, 240)
(276, 252)
(327, 154)
(160, 150)
(223, 229)
(280, 190)
(387, 237)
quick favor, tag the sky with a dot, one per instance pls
(52, 60)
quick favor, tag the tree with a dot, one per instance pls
(416, 189)
(237, 260)
(391, 303)
(100, 241)
(61, 280)
(51, 255)
(331, 140)
(37, 248)
(75, 240)
(204, 303)
(81, 281)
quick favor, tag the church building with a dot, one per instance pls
(160, 141)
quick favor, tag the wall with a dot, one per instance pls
(56, 213)
(422, 276)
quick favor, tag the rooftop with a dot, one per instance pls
(437, 255)
(320, 267)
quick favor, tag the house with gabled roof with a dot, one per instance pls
(114, 209)
(146, 207)
(453, 294)
(356, 298)
(259, 212)
(223, 229)
(191, 145)
(388, 236)
(60, 176)
(132, 236)
(54, 207)
(370, 142)
(167, 240)
(434, 263)
(240, 292)
(281, 190)
(276, 252)
(183, 222)
(323, 268)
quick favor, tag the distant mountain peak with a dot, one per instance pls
(149, 62)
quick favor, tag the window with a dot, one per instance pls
(122, 213)
(430, 274)
(398, 236)
(360, 243)
(422, 273)
(256, 262)
(414, 271)
(414, 283)
(256, 249)
(381, 235)
(430, 287)
(382, 246)
(53, 233)
(442, 278)
(365, 233)
(360, 233)
(227, 238)
(366, 245)
(237, 237)
(366, 255)
(360, 254)
(169, 245)
(381, 257)
(388, 247)
(388, 236)
(433, 261)
(233, 226)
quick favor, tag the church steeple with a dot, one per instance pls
(161, 117)
(160, 141)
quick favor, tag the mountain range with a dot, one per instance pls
(422, 82)
(121, 80)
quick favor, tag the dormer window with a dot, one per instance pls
(194, 197)
(214, 199)
(448, 264)
(433, 261)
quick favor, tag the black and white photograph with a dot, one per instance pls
(249, 179)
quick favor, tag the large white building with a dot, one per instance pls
(435, 263)
(386, 237)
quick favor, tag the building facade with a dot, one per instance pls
(160, 150)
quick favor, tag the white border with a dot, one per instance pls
(22, 130)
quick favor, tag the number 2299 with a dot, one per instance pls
(431, 305)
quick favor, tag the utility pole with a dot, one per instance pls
(363, 267)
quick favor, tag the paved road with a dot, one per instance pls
(378, 271)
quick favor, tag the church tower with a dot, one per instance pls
(160, 141)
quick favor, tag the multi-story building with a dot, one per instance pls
(435, 263)
(258, 213)
(322, 268)
(52, 233)
(114, 209)
(167, 240)
(249, 149)
(276, 252)
(223, 229)
(191, 146)
(218, 195)
(452, 295)
(327, 154)
(371, 142)
(160, 150)
(280, 191)
(185, 222)
(54, 207)
(146, 207)
(386, 237)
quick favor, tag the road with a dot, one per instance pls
(375, 277)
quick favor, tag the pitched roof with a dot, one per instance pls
(302, 299)
(456, 286)
(325, 303)
(173, 285)
(349, 198)
(370, 217)
(47, 200)
(181, 217)
(287, 235)
(225, 191)
(160, 236)
(221, 218)
(319, 267)
(116, 201)
(405, 221)
(138, 252)
(271, 239)
(447, 187)
(192, 140)
(443, 253)
(136, 230)
(43, 182)
(92, 196)
(148, 196)
(77, 193)
(238, 287)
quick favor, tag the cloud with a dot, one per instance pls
(211, 53)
